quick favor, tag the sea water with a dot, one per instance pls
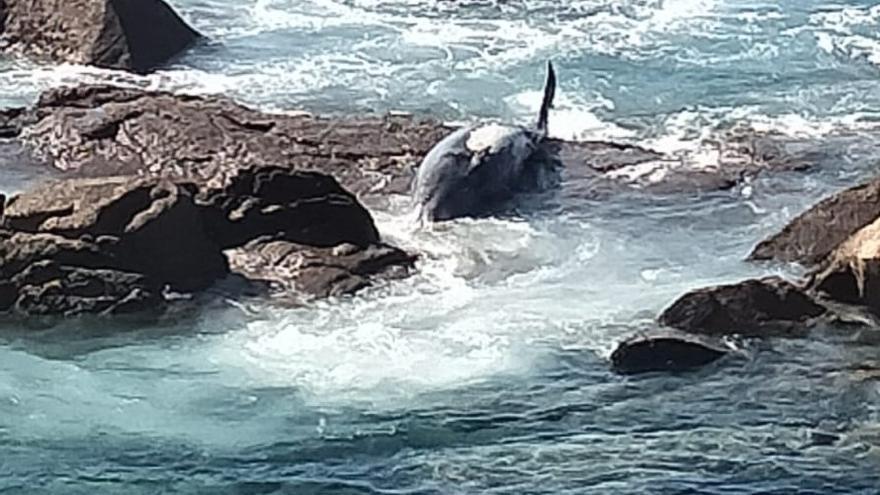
(486, 371)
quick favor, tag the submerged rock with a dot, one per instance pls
(765, 307)
(665, 350)
(137, 35)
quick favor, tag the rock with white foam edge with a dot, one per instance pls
(666, 350)
(136, 35)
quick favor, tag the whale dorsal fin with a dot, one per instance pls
(547, 102)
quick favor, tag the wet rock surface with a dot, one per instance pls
(666, 350)
(817, 232)
(311, 271)
(851, 273)
(838, 240)
(119, 244)
(136, 35)
(768, 307)
(104, 130)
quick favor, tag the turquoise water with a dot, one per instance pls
(487, 371)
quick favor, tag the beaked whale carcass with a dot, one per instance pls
(474, 170)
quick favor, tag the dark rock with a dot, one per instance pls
(823, 438)
(149, 226)
(302, 207)
(137, 35)
(814, 234)
(47, 289)
(102, 130)
(753, 308)
(309, 271)
(665, 351)
(47, 274)
(113, 245)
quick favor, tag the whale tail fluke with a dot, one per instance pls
(547, 103)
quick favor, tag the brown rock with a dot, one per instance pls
(47, 274)
(814, 234)
(114, 245)
(47, 289)
(753, 308)
(665, 350)
(149, 226)
(302, 207)
(136, 35)
(102, 130)
(851, 274)
(295, 269)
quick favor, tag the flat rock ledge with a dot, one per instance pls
(99, 130)
(125, 244)
(135, 35)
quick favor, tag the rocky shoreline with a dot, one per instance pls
(164, 193)
(837, 241)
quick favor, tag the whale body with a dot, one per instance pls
(476, 169)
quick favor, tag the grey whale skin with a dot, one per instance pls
(476, 169)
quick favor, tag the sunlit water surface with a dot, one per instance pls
(486, 372)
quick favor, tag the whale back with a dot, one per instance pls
(471, 170)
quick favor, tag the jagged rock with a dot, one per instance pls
(302, 207)
(43, 273)
(851, 274)
(150, 226)
(48, 289)
(816, 233)
(103, 130)
(136, 35)
(665, 350)
(118, 244)
(753, 308)
(317, 271)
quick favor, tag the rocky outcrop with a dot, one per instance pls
(851, 273)
(49, 274)
(838, 239)
(150, 226)
(137, 35)
(317, 271)
(307, 208)
(103, 130)
(120, 244)
(768, 307)
(665, 350)
(816, 233)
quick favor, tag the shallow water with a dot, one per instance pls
(487, 371)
